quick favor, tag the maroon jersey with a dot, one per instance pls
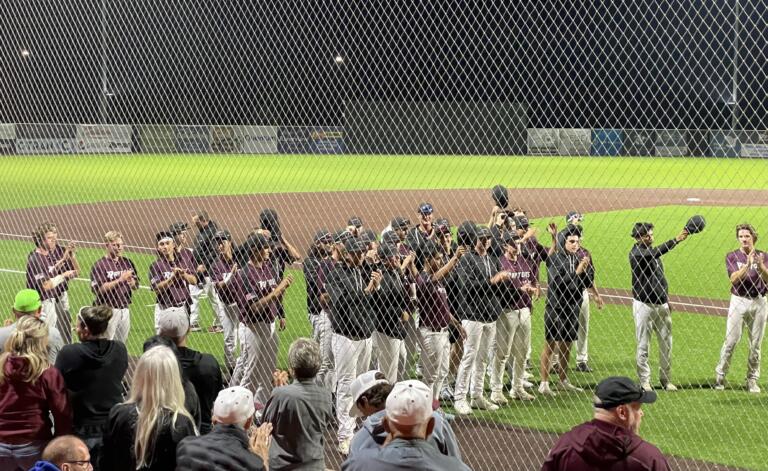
(56, 255)
(433, 302)
(751, 285)
(107, 270)
(221, 270)
(511, 295)
(535, 254)
(177, 293)
(41, 268)
(253, 283)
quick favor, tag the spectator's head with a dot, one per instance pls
(27, 303)
(45, 236)
(28, 341)
(234, 406)
(618, 400)
(157, 387)
(114, 243)
(68, 453)
(409, 411)
(369, 393)
(92, 322)
(174, 325)
(304, 358)
(160, 341)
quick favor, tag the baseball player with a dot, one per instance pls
(355, 226)
(399, 226)
(318, 263)
(223, 272)
(565, 275)
(650, 306)
(424, 230)
(170, 278)
(748, 275)
(49, 268)
(352, 322)
(113, 281)
(206, 252)
(258, 291)
(187, 256)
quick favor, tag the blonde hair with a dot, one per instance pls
(112, 236)
(29, 341)
(156, 387)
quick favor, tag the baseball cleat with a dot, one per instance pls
(483, 404)
(462, 407)
(669, 387)
(719, 383)
(527, 375)
(545, 390)
(582, 367)
(446, 394)
(522, 395)
(752, 386)
(343, 447)
(499, 398)
(567, 386)
(646, 386)
(527, 384)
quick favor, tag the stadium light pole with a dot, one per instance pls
(735, 74)
(103, 93)
(339, 61)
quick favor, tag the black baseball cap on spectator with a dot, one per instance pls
(390, 237)
(178, 227)
(342, 235)
(521, 222)
(618, 390)
(387, 251)
(400, 223)
(222, 235)
(323, 235)
(425, 208)
(355, 221)
(352, 245)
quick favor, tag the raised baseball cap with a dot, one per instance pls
(618, 390)
(355, 221)
(173, 324)
(409, 403)
(521, 222)
(400, 223)
(353, 245)
(342, 235)
(233, 406)
(361, 385)
(323, 235)
(27, 300)
(425, 208)
(573, 215)
(178, 227)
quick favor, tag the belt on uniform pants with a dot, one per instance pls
(435, 329)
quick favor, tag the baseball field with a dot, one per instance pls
(140, 194)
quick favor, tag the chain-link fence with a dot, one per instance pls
(343, 116)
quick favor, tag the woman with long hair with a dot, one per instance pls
(31, 392)
(142, 433)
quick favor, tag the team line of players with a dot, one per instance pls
(417, 291)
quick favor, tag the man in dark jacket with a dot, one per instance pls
(227, 446)
(649, 306)
(352, 324)
(93, 371)
(609, 442)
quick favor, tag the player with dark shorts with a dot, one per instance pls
(561, 316)
(170, 278)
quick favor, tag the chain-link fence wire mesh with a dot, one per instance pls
(370, 109)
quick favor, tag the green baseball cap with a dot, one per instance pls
(27, 300)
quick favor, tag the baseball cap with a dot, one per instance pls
(360, 386)
(409, 403)
(617, 390)
(429, 249)
(390, 237)
(510, 238)
(233, 406)
(178, 227)
(483, 233)
(323, 235)
(172, 324)
(257, 241)
(400, 223)
(368, 236)
(574, 215)
(355, 245)
(387, 251)
(521, 222)
(355, 221)
(341, 236)
(27, 300)
(222, 235)
(164, 235)
(425, 208)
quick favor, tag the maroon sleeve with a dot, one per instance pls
(155, 276)
(730, 263)
(37, 272)
(58, 401)
(98, 277)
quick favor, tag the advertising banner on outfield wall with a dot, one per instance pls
(192, 139)
(754, 143)
(671, 143)
(606, 142)
(223, 140)
(103, 139)
(326, 140)
(7, 139)
(156, 139)
(293, 140)
(257, 139)
(542, 141)
(724, 144)
(641, 142)
(46, 139)
(574, 141)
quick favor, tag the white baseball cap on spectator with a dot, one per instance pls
(360, 386)
(173, 324)
(409, 403)
(233, 406)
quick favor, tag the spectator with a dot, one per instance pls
(67, 453)
(31, 392)
(201, 369)
(370, 391)
(227, 447)
(409, 421)
(27, 303)
(299, 413)
(610, 440)
(143, 432)
(93, 371)
(191, 401)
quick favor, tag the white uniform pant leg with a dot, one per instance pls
(663, 325)
(521, 338)
(505, 329)
(388, 354)
(64, 318)
(260, 365)
(229, 323)
(582, 340)
(410, 347)
(219, 307)
(242, 358)
(642, 315)
(472, 343)
(435, 356)
(737, 309)
(756, 329)
(323, 335)
(481, 361)
(351, 358)
(194, 309)
(119, 326)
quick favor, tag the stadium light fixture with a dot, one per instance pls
(25, 53)
(338, 59)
